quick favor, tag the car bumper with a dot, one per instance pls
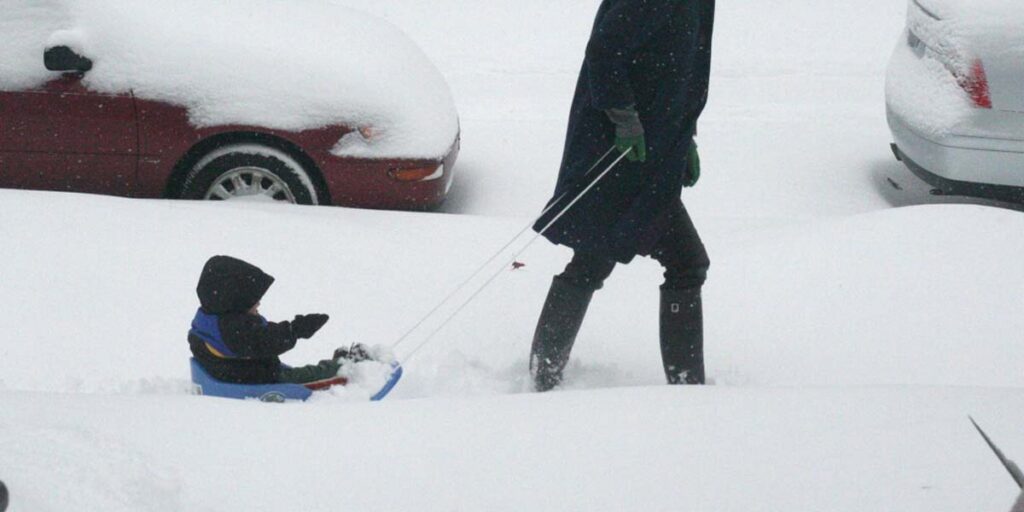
(946, 186)
(365, 183)
(963, 162)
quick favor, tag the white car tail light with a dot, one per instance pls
(928, 35)
(976, 84)
(969, 73)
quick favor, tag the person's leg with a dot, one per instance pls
(562, 316)
(587, 270)
(681, 318)
(326, 369)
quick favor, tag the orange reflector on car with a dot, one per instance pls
(417, 173)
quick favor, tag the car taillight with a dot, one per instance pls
(431, 172)
(976, 84)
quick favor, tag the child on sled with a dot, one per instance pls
(234, 343)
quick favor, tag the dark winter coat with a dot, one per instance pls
(231, 344)
(656, 55)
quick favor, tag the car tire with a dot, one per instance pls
(250, 172)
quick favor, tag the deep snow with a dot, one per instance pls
(650, 449)
(848, 340)
(844, 375)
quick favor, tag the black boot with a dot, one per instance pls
(682, 336)
(559, 323)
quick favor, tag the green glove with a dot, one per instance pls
(692, 166)
(636, 143)
(629, 133)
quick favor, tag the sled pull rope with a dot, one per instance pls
(487, 263)
(516, 255)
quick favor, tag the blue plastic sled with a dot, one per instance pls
(278, 392)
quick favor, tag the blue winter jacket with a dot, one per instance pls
(231, 344)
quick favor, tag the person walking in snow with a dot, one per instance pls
(234, 343)
(643, 84)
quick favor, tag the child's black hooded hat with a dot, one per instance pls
(230, 285)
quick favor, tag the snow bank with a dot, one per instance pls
(912, 284)
(925, 295)
(289, 65)
(56, 466)
(721, 449)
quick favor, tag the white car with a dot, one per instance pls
(955, 96)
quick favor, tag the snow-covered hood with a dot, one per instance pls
(283, 64)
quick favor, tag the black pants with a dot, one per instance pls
(680, 251)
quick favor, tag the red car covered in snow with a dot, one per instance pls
(63, 136)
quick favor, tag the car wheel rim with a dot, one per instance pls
(250, 184)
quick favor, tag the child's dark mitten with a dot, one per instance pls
(359, 352)
(356, 353)
(305, 326)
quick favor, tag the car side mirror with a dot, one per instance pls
(62, 58)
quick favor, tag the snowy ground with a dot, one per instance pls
(848, 338)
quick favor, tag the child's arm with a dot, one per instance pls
(250, 336)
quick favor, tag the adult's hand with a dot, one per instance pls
(692, 166)
(629, 133)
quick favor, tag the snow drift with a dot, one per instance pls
(847, 352)
(288, 65)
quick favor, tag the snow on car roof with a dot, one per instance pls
(290, 65)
